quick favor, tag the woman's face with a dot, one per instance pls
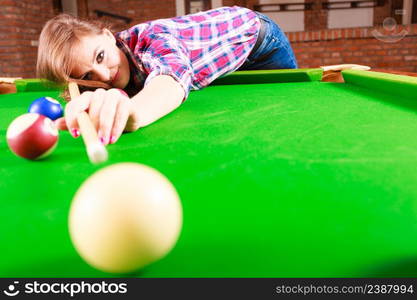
(98, 58)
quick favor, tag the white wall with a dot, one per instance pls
(216, 3)
(408, 10)
(289, 20)
(352, 17)
(180, 7)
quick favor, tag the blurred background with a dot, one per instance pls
(381, 34)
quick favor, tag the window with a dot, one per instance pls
(288, 14)
(193, 6)
(350, 17)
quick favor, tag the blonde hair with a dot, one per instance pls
(57, 42)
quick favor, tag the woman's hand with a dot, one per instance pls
(111, 112)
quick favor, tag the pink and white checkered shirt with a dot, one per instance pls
(194, 49)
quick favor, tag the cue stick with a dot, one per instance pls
(96, 151)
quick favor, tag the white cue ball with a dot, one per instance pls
(124, 217)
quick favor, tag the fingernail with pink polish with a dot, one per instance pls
(103, 141)
(75, 133)
(112, 140)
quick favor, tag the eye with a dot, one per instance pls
(100, 56)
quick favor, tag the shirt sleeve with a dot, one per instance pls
(166, 55)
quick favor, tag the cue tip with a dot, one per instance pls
(97, 153)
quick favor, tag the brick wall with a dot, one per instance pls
(316, 18)
(20, 25)
(21, 22)
(138, 10)
(394, 50)
(382, 12)
(245, 3)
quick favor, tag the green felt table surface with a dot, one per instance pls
(291, 178)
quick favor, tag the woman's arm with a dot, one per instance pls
(159, 97)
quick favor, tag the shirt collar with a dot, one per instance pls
(137, 73)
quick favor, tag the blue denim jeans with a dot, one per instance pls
(275, 52)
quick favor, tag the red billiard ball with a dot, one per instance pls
(32, 136)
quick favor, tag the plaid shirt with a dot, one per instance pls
(194, 49)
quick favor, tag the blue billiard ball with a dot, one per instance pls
(48, 107)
